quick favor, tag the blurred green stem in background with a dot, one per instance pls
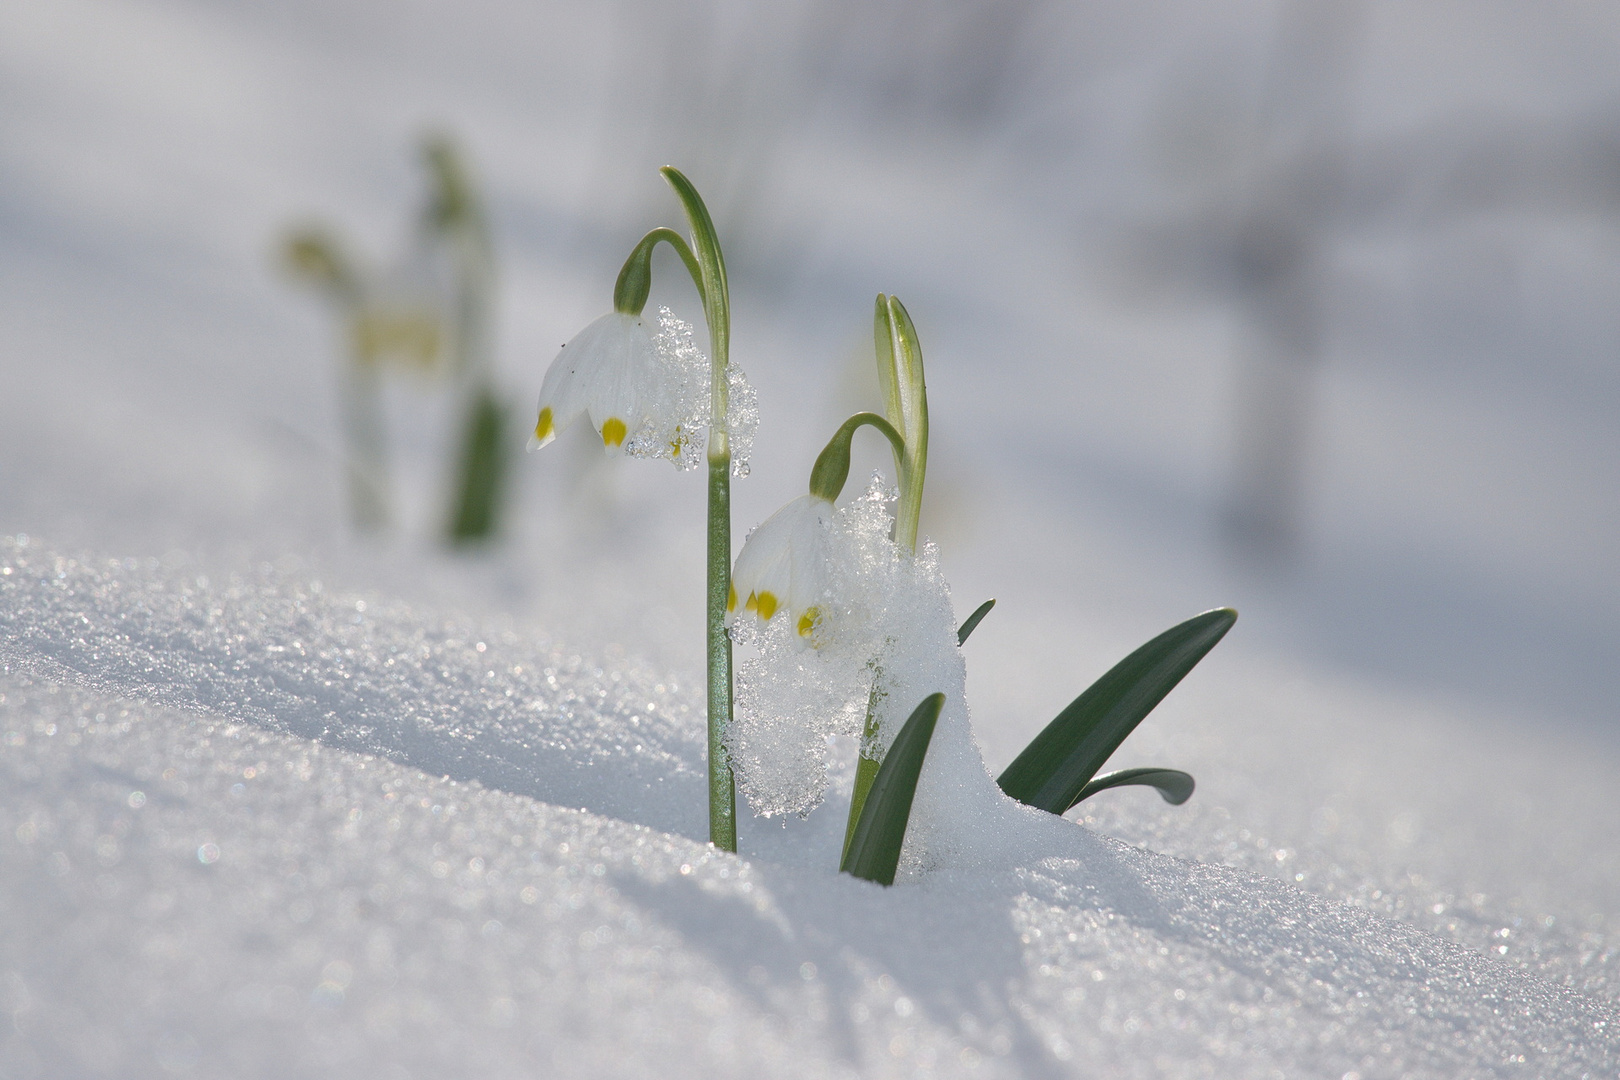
(455, 219)
(315, 256)
(433, 311)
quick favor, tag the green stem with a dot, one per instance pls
(455, 220)
(722, 785)
(866, 768)
(367, 444)
(905, 400)
(711, 278)
(475, 512)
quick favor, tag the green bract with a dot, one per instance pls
(832, 466)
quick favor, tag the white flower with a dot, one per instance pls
(401, 315)
(784, 565)
(612, 371)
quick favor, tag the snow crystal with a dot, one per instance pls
(688, 398)
(684, 389)
(250, 827)
(365, 675)
(742, 418)
(792, 697)
(885, 641)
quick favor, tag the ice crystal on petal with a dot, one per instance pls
(887, 635)
(687, 405)
(677, 434)
(791, 699)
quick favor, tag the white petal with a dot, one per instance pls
(786, 557)
(609, 370)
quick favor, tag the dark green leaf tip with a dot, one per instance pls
(973, 620)
(1175, 785)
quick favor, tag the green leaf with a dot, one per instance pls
(1054, 769)
(874, 850)
(973, 620)
(1175, 785)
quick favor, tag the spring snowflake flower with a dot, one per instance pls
(784, 565)
(401, 317)
(612, 371)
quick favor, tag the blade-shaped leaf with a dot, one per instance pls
(874, 850)
(1175, 785)
(1054, 769)
(973, 620)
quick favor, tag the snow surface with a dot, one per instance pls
(267, 808)
(262, 827)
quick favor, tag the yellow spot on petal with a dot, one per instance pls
(767, 605)
(731, 598)
(613, 431)
(807, 621)
(752, 604)
(544, 429)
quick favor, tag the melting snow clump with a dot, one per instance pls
(886, 639)
(688, 393)
(252, 825)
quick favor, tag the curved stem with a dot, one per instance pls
(832, 466)
(716, 303)
(635, 277)
(710, 275)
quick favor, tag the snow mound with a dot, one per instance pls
(224, 824)
(364, 675)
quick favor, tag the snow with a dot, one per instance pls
(264, 827)
(278, 802)
(885, 640)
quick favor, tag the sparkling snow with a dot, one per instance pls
(261, 827)
(278, 803)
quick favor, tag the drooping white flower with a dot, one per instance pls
(784, 566)
(610, 371)
(402, 315)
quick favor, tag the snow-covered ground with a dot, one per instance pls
(260, 826)
(276, 802)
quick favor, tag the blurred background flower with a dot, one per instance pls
(1310, 308)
